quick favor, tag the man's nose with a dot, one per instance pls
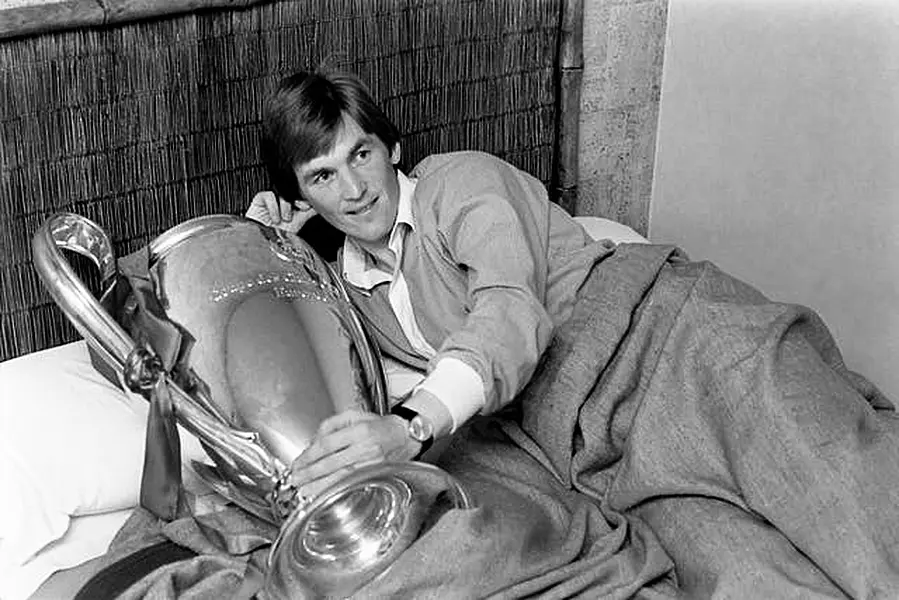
(352, 186)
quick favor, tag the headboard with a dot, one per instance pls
(141, 123)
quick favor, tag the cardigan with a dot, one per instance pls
(492, 267)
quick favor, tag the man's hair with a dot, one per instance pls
(303, 117)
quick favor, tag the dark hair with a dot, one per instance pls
(302, 119)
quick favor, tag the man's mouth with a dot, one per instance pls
(365, 209)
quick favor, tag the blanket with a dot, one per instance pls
(576, 484)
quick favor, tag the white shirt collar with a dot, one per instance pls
(359, 267)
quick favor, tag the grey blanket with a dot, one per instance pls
(559, 508)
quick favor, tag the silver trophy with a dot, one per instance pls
(274, 347)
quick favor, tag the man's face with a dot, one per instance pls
(354, 185)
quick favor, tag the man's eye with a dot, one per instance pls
(322, 178)
(363, 155)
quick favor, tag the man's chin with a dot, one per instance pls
(369, 236)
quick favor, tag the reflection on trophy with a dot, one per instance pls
(260, 343)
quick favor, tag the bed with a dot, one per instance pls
(74, 454)
(122, 111)
(144, 115)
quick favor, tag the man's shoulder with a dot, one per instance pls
(449, 180)
(464, 166)
(446, 183)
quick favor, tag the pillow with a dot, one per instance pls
(71, 444)
(87, 537)
(605, 229)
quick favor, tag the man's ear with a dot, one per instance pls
(396, 154)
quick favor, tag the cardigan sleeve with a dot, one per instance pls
(493, 222)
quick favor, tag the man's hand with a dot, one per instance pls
(346, 441)
(269, 209)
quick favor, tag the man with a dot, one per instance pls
(662, 389)
(331, 151)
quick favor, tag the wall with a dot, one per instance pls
(778, 157)
(141, 125)
(623, 47)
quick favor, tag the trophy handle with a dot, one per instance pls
(79, 234)
(139, 367)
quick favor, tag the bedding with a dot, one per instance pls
(74, 450)
(86, 537)
(71, 454)
(575, 494)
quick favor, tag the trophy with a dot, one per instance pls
(254, 340)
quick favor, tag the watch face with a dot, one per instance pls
(421, 429)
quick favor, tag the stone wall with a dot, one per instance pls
(624, 43)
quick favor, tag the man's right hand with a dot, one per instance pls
(269, 209)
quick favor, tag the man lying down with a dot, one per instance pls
(631, 423)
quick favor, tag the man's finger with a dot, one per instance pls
(311, 489)
(344, 419)
(328, 464)
(301, 213)
(298, 219)
(258, 210)
(324, 445)
(272, 205)
(285, 210)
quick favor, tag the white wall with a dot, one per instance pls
(778, 158)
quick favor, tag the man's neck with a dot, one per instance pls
(381, 252)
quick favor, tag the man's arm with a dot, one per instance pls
(494, 228)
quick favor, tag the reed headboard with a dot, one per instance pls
(142, 124)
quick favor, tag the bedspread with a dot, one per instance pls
(555, 475)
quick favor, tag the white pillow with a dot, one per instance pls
(87, 537)
(71, 444)
(605, 229)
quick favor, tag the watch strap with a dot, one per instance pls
(408, 414)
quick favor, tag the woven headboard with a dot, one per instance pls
(140, 125)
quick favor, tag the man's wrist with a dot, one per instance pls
(458, 388)
(419, 428)
(430, 406)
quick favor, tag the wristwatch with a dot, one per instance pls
(419, 428)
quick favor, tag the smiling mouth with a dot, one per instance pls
(365, 209)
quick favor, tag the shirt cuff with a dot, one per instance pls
(458, 387)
